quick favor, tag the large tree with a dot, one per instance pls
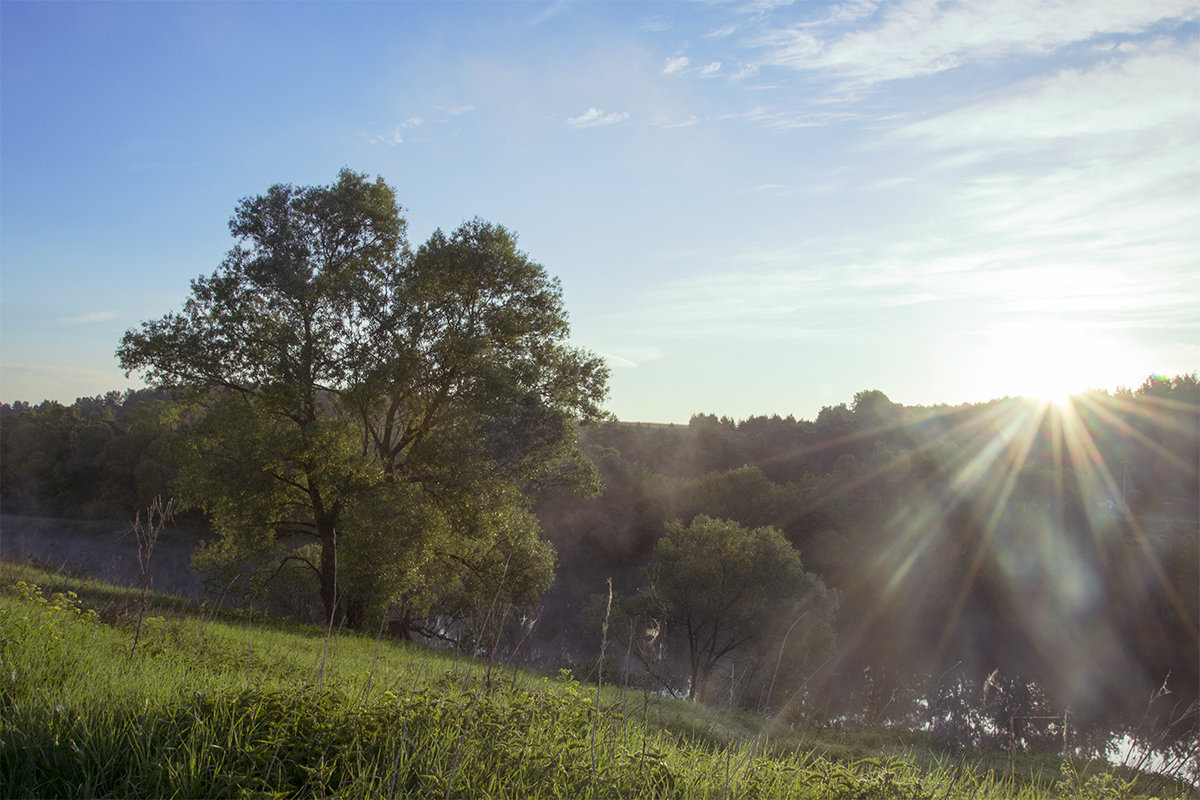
(364, 401)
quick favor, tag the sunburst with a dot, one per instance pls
(1048, 563)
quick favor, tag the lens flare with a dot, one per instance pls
(1015, 544)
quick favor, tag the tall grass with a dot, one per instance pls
(214, 706)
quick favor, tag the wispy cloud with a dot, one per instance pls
(918, 37)
(786, 118)
(397, 135)
(754, 300)
(630, 355)
(548, 12)
(884, 184)
(839, 289)
(617, 361)
(594, 117)
(709, 70)
(392, 139)
(94, 316)
(657, 24)
(1091, 166)
(689, 121)
(674, 66)
(1151, 91)
(1069, 198)
(764, 188)
(853, 10)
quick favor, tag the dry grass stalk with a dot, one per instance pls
(157, 517)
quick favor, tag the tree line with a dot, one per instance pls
(1035, 560)
(102, 457)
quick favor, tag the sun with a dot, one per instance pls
(1050, 381)
(1056, 398)
(1049, 361)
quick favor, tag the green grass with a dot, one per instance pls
(216, 705)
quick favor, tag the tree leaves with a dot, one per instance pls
(334, 363)
(727, 586)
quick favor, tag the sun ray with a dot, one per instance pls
(1079, 438)
(915, 529)
(1102, 409)
(1004, 514)
(1021, 431)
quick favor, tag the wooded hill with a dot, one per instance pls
(1013, 572)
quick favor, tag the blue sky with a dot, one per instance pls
(754, 207)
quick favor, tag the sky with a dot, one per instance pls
(753, 207)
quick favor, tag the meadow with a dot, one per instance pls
(221, 704)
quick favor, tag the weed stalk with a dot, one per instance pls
(599, 682)
(157, 516)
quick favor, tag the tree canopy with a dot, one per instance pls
(351, 391)
(731, 589)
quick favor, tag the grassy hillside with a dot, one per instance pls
(217, 705)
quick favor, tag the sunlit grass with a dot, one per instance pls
(213, 706)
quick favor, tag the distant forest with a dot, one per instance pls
(1007, 571)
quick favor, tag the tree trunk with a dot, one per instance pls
(340, 606)
(328, 571)
(701, 681)
(354, 611)
(326, 519)
(697, 669)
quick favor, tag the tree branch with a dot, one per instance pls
(293, 557)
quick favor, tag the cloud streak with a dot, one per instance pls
(594, 117)
(918, 37)
(787, 119)
(84, 319)
(1150, 91)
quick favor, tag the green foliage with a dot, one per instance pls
(375, 402)
(732, 590)
(101, 457)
